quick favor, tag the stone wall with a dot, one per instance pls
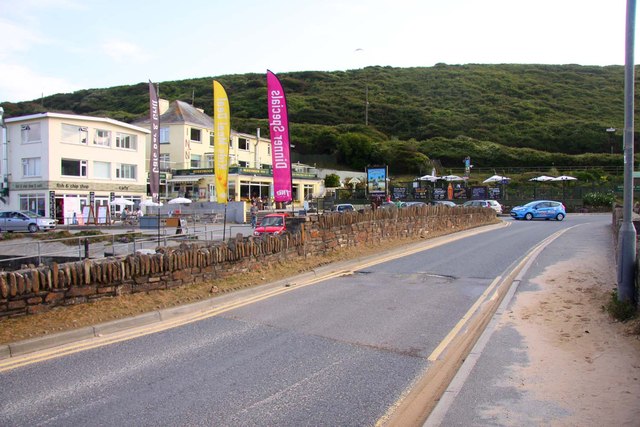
(38, 289)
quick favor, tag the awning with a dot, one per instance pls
(185, 179)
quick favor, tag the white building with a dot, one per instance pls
(70, 167)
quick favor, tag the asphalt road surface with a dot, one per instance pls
(342, 351)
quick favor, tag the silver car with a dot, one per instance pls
(25, 221)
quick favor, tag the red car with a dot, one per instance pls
(274, 223)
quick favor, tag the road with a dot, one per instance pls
(342, 351)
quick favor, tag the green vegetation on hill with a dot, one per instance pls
(500, 115)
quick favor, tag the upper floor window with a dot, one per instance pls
(211, 139)
(127, 141)
(102, 138)
(31, 167)
(196, 160)
(165, 162)
(208, 160)
(72, 167)
(74, 134)
(102, 170)
(30, 133)
(125, 171)
(195, 135)
(164, 135)
(243, 144)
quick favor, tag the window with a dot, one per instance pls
(72, 167)
(196, 160)
(124, 171)
(33, 203)
(243, 144)
(102, 138)
(31, 167)
(208, 160)
(74, 134)
(165, 162)
(164, 135)
(126, 141)
(195, 135)
(102, 170)
(30, 133)
(211, 139)
(243, 164)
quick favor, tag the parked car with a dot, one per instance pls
(274, 223)
(547, 209)
(484, 204)
(25, 221)
(343, 207)
(448, 203)
(409, 204)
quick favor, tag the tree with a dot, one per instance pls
(332, 181)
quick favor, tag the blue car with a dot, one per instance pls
(546, 209)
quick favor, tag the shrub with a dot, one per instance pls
(598, 199)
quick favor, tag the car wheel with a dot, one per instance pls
(32, 228)
(559, 217)
(528, 216)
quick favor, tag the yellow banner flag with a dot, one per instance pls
(221, 135)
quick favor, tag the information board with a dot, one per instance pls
(478, 193)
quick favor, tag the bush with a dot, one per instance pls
(598, 199)
(620, 310)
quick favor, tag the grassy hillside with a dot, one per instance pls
(499, 115)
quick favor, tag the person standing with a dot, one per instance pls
(253, 211)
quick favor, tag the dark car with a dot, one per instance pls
(540, 209)
(25, 221)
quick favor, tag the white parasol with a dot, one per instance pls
(542, 178)
(179, 201)
(564, 178)
(121, 202)
(497, 178)
(451, 178)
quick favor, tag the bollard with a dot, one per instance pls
(86, 248)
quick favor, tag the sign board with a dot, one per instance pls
(399, 193)
(479, 192)
(439, 194)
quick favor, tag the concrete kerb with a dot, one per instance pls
(201, 307)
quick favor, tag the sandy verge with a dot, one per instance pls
(581, 362)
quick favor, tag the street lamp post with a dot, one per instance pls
(627, 234)
(611, 131)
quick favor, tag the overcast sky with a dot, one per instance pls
(58, 46)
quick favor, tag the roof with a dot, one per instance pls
(40, 116)
(182, 112)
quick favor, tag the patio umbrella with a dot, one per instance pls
(564, 178)
(121, 202)
(430, 178)
(497, 178)
(149, 202)
(451, 178)
(179, 201)
(542, 178)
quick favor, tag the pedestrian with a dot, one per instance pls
(254, 214)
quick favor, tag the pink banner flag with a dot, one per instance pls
(279, 132)
(154, 158)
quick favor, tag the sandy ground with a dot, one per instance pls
(580, 359)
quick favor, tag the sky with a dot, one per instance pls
(60, 46)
